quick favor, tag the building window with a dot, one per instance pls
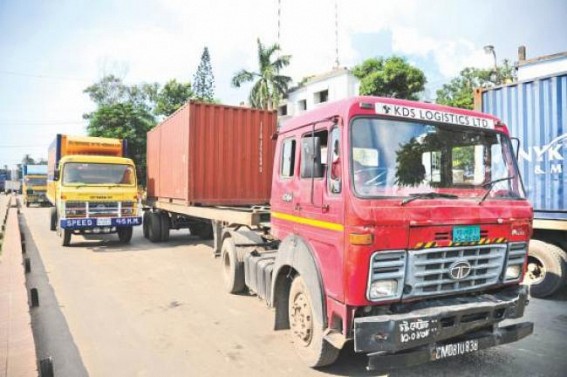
(322, 96)
(282, 110)
(302, 105)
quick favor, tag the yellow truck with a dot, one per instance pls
(92, 186)
(34, 184)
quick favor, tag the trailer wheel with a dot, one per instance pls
(164, 224)
(125, 234)
(306, 332)
(146, 224)
(154, 232)
(546, 269)
(53, 219)
(202, 229)
(232, 268)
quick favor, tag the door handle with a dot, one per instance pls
(297, 207)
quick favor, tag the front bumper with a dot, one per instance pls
(89, 223)
(416, 336)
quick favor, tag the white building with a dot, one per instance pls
(338, 84)
(542, 66)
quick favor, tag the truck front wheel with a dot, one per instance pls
(546, 269)
(306, 331)
(53, 219)
(65, 235)
(124, 234)
(232, 268)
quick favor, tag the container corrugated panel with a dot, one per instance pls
(212, 155)
(536, 113)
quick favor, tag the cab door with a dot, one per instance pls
(320, 208)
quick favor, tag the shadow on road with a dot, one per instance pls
(51, 333)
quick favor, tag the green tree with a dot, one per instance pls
(391, 77)
(171, 97)
(270, 86)
(204, 80)
(459, 92)
(28, 160)
(124, 121)
(123, 112)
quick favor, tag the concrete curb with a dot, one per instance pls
(17, 347)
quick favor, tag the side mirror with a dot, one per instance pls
(56, 175)
(311, 166)
(515, 146)
(29, 191)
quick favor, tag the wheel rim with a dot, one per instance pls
(301, 319)
(535, 272)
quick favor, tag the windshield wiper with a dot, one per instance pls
(428, 195)
(490, 186)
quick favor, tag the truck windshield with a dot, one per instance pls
(104, 174)
(392, 158)
(36, 181)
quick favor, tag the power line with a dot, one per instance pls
(22, 146)
(33, 123)
(44, 77)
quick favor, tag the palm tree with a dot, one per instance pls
(270, 85)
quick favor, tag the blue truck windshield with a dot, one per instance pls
(401, 158)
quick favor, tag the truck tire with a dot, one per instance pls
(146, 224)
(65, 235)
(164, 223)
(306, 332)
(546, 269)
(125, 234)
(154, 227)
(232, 268)
(202, 229)
(53, 219)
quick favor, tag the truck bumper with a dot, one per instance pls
(441, 328)
(90, 223)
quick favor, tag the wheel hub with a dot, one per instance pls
(536, 272)
(301, 319)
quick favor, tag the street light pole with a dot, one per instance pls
(490, 49)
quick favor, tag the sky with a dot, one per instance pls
(50, 51)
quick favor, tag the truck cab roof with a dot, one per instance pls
(96, 159)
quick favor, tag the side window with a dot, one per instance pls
(335, 172)
(314, 154)
(288, 158)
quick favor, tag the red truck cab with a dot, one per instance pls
(403, 226)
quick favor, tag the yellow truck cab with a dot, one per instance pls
(34, 184)
(92, 187)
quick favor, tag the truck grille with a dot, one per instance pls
(429, 270)
(103, 209)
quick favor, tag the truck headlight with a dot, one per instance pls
(513, 272)
(382, 289)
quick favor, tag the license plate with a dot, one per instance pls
(454, 349)
(103, 222)
(470, 233)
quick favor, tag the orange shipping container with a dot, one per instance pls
(208, 154)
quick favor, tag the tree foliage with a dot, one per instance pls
(459, 92)
(204, 80)
(270, 85)
(171, 97)
(390, 77)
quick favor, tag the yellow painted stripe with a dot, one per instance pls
(311, 222)
(429, 245)
(419, 245)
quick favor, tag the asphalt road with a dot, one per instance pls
(146, 309)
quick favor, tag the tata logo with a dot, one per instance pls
(547, 159)
(460, 270)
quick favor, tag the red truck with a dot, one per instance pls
(402, 226)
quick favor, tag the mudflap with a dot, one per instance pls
(472, 342)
